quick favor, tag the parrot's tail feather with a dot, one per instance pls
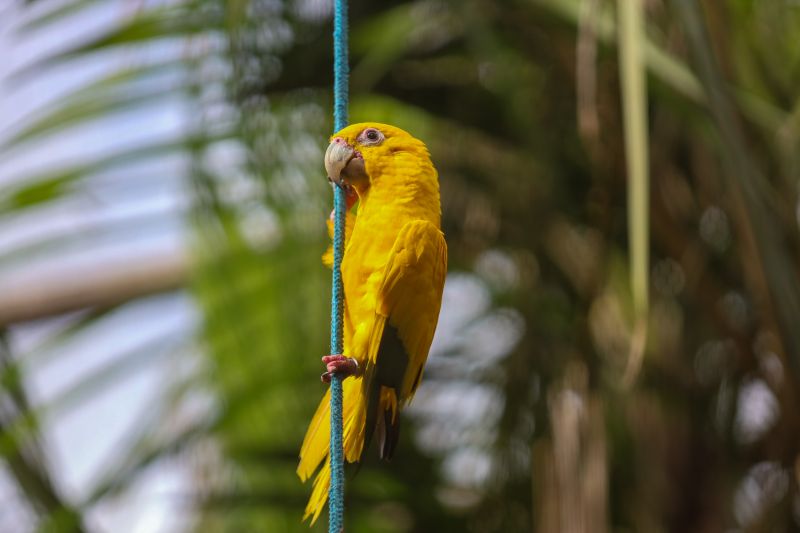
(353, 417)
(320, 493)
(388, 424)
(316, 444)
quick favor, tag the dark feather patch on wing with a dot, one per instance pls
(392, 359)
(389, 372)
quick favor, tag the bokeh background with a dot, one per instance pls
(609, 357)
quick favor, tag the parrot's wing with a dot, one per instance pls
(406, 314)
(408, 302)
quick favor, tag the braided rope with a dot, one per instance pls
(340, 90)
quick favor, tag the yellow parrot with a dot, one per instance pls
(393, 271)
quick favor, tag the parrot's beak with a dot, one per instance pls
(344, 164)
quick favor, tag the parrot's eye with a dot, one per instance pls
(370, 136)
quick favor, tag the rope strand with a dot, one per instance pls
(340, 96)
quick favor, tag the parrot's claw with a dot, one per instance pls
(340, 365)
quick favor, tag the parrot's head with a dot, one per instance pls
(361, 154)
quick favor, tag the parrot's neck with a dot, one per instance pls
(397, 200)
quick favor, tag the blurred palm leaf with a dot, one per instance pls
(44, 188)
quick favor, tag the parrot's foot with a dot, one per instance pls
(340, 365)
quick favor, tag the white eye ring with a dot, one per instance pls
(371, 136)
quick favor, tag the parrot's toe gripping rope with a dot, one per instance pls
(340, 365)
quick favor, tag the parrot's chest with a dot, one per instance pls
(363, 267)
(362, 273)
(362, 277)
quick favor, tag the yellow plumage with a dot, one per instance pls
(393, 273)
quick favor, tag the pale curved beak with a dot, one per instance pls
(343, 164)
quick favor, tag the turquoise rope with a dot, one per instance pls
(340, 90)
